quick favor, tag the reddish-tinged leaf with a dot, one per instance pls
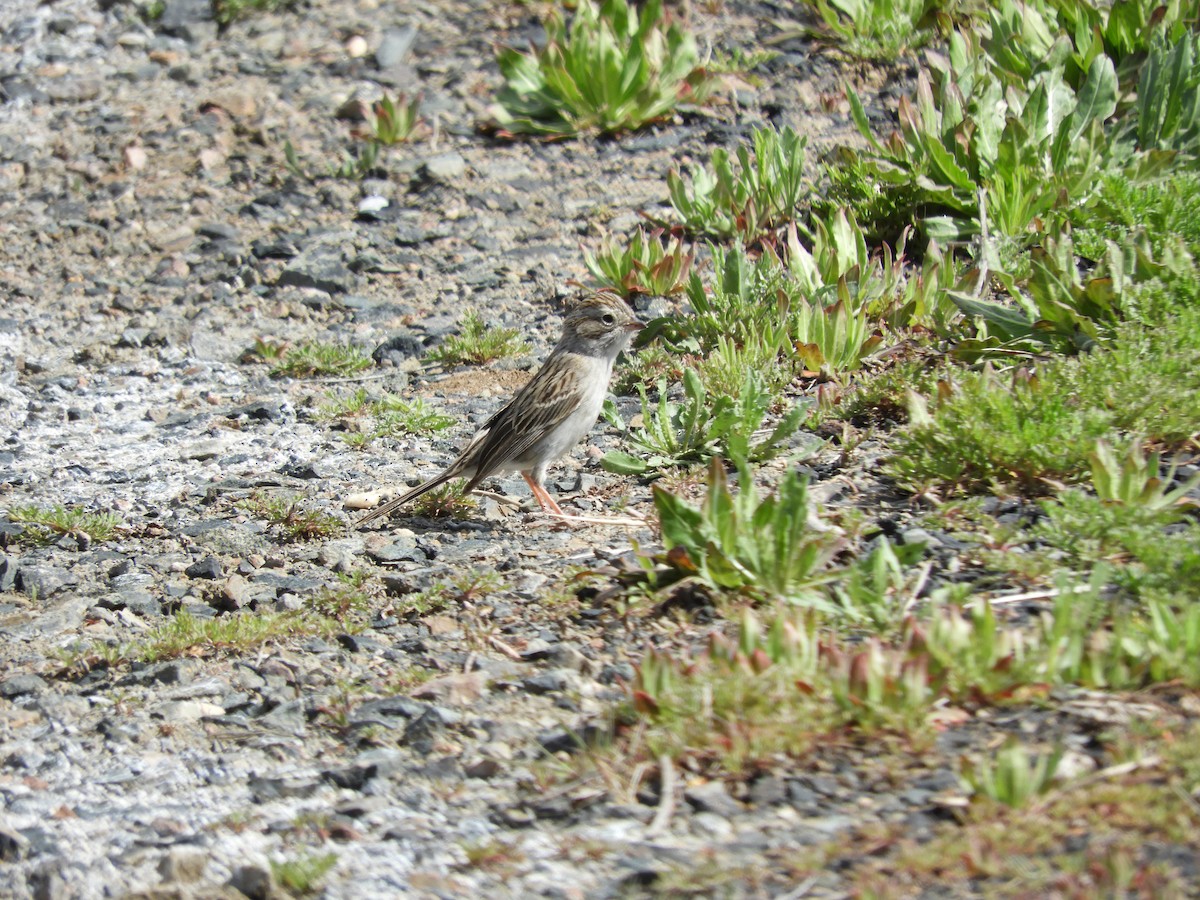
(644, 703)
(759, 661)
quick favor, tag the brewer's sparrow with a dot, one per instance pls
(549, 415)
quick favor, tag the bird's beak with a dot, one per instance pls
(634, 326)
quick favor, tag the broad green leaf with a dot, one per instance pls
(623, 463)
(1097, 98)
(1008, 322)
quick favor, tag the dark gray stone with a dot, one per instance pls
(263, 411)
(22, 685)
(287, 716)
(713, 797)
(8, 571)
(372, 764)
(264, 789)
(322, 267)
(44, 581)
(255, 881)
(423, 732)
(386, 710)
(545, 683)
(191, 20)
(209, 567)
(403, 548)
(768, 790)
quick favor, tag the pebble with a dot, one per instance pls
(22, 685)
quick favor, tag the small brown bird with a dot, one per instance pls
(551, 413)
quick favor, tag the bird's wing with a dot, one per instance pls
(533, 413)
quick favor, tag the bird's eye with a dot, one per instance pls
(608, 319)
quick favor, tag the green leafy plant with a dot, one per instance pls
(393, 122)
(1165, 209)
(831, 340)
(228, 11)
(675, 434)
(748, 199)
(880, 588)
(839, 267)
(313, 360)
(1012, 777)
(1168, 100)
(1135, 481)
(352, 166)
(1060, 308)
(347, 602)
(46, 525)
(1125, 31)
(185, 634)
(970, 146)
(985, 433)
(615, 69)
(879, 29)
(648, 264)
(1035, 430)
(478, 344)
(762, 309)
(303, 875)
(447, 501)
(265, 350)
(763, 546)
(386, 416)
(288, 512)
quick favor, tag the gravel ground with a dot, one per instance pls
(150, 235)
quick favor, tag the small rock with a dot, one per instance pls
(459, 689)
(712, 827)
(1074, 764)
(422, 733)
(202, 450)
(8, 572)
(399, 348)
(538, 648)
(262, 411)
(209, 567)
(22, 685)
(13, 844)
(183, 865)
(403, 548)
(219, 231)
(238, 103)
(44, 581)
(483, 768)
(768, 790)
(191, 20)
(187, 710)
(444, 168)
(237, 593)
(712, 797)
(379, 763)
(255, 880)
(288, 717)
(386, 710)
(135, 157)
(394, 47)
(264, 789)
(372, 204)
(322, 267)
(546, 682)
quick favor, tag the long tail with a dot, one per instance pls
(382, 512)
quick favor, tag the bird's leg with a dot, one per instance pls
(542, 496)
